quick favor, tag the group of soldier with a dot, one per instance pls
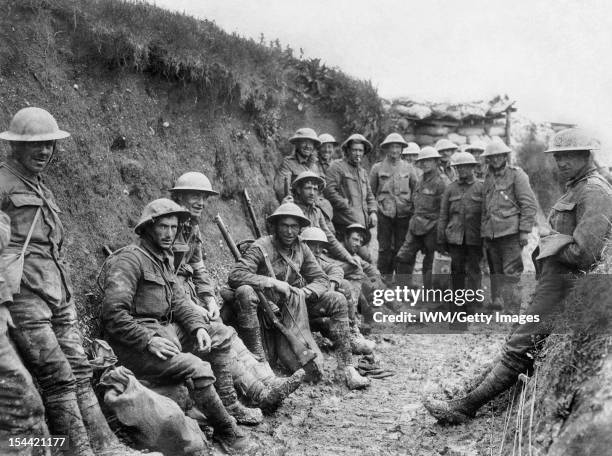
(314, 272)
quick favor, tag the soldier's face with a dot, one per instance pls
(497, 161)
(571, 163)
(316, 247)
(163, 231)
(287, 230)
(465, 172)
(354, 153)
(304, 148)
(354, 240)
(326, 152)
(193, 202)
(309, 192)
(393, 151)
(409, 158)
(446, 154)
(428, 164)
(33, 156)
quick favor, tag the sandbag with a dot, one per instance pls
(471, 131)
(425, 140)
(433, 130)
(158, 422)
(457, 139)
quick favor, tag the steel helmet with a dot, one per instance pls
(308, 175)
(195, 182)
(463, 158)
(394, 138)
(313, 234)
(428, 152)
(496, 148)
(288, 210)
(360, 229)
(305, 133)
(367, 145)
(445, 144)
(327, 138)
(162, 207)
(412, 149)
(478, 145)
(572, 139)
(33, 124)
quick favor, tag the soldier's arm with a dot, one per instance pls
(336, 249)
(184, 312)
(370, 199)
(334, 272)
(5, 230)
(279, 180)
(119, 289)
(526, 201)
(245, 270)
(370, 270)
(374, 179)
(333, 189)
(594, 215)
(318, 282)
(443, 219)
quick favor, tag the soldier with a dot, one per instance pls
(283, 264)
(459, 224)
(21, 409)
(348, 189)
(477, 149)
(159, 335)
(317, 241)
(327, 150)
(42, 309)
(393, 181)
(410, 154)
(422, 234)
(255, 380)
(508, 215)
(446, 149)
(580, 222)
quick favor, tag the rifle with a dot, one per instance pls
(301, 350)
(287, 186)
(251, 215)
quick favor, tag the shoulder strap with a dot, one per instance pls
(27, 241)
(36, 190)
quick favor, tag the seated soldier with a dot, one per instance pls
(365, 278)
(285, 266)
(159, 335)
(317, 241)
(256, 380)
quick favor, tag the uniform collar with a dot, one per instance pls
(162, 255)
(499, 173)
(586, 172)
(24, 173)
(303, 161)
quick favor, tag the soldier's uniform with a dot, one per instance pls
(393, 186)
(459, 228)
(509, 208)
(348, 190)
(21, 409)
(422, 234)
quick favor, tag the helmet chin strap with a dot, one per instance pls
(52, 156)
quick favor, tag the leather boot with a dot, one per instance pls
(461, 410)
(102, 439)
(226, 431)
(65, 419)
(251, 336)
(339, 334)
(227, 393)
(359, 344)
(279, 389)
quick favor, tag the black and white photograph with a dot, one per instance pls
(284, 228)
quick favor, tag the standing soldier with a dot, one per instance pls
(348, 188)
(393, 181)
(42, 310)
(256, 380)
(422, 234)
(508, 215)
(21, 409)
(410, 154)
(580, 222)
(327, 150)
(284, 265)
(158, 334)
(459, 224)
(446, 149)
(477, 149)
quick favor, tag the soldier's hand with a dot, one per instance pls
(162, 347)
(373, 220)
(523, 239)
(354, 261)
(213, 308)
(281, 287)
(203, 340)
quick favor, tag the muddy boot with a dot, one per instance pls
(225, 388)
(359, 344)
(339, 334)
(103, 440)
(461, 410)
(226, 432)
(279, 389)
(354, 380)
(252, 339)
(65, 419)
